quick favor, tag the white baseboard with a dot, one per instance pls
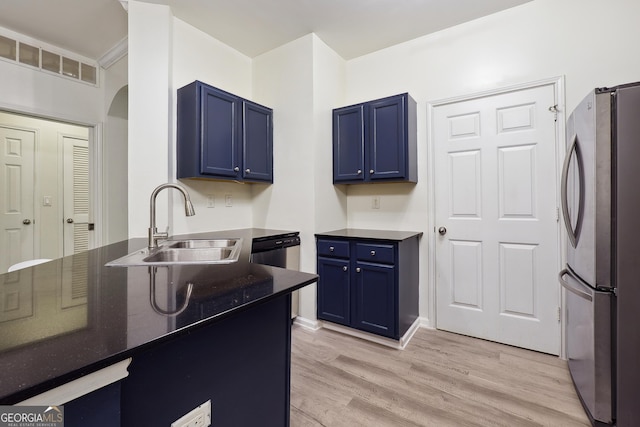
(426, 323)
(400, 344)
(313, 325)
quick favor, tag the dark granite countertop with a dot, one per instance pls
(73, 316)
(351, 233)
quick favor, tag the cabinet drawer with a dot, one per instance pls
(333, 248)
(375, 253)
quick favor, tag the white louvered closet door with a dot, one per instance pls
(76, 195)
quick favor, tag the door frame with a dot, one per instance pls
(559, 89)
(96, 203)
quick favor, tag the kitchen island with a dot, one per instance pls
(229, 341)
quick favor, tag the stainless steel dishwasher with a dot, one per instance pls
(281, 250)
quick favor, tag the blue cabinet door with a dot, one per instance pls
(257, 142)
(348, 143)
(375, 290)
(386, 153)
(220, 130)
(334, 291)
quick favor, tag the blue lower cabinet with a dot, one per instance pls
(375, 298)
(368, 285)
(334, 296)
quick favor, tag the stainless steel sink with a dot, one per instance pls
(197, 243)
(184, 252)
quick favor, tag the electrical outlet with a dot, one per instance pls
(199, 417)
(228, 200)
(211, 201)
(375, 202)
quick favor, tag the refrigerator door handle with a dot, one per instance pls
(574, 234)
(571, 288)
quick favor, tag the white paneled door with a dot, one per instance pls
(496, 218)
(16, 197)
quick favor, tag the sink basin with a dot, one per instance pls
(189, 255)
(197, 243)
(184, 252)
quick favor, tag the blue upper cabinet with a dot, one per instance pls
(376, 141)
(223, 136)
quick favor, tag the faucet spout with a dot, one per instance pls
(154, 235)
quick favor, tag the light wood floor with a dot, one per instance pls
(440, 379)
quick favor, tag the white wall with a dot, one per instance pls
(301, 81)
(25, 89)
(589, 43)
(149, 108)
(34, 92)
(114, 152)
(198, 56)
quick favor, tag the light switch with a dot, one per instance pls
(228, 200)
(46, 201)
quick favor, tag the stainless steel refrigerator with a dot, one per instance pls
(601, 209)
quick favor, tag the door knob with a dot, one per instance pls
(69, 220)
(344, 268)
(26, 221)
(247, 170)
(442, 231)
(236, 169)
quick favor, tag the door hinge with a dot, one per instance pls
(557, 214)
(559, 314)
(554, 110)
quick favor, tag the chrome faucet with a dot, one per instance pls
(154, 235)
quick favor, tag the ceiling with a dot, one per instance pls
(350, 27)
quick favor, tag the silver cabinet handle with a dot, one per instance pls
(247, 170)
(236, 169)
(344, 268)
(331, 248)
(442, 231)
(26, 221)
(373, 253)
(359, 172)
(358, 270)
(69, 220)
(371, 171)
